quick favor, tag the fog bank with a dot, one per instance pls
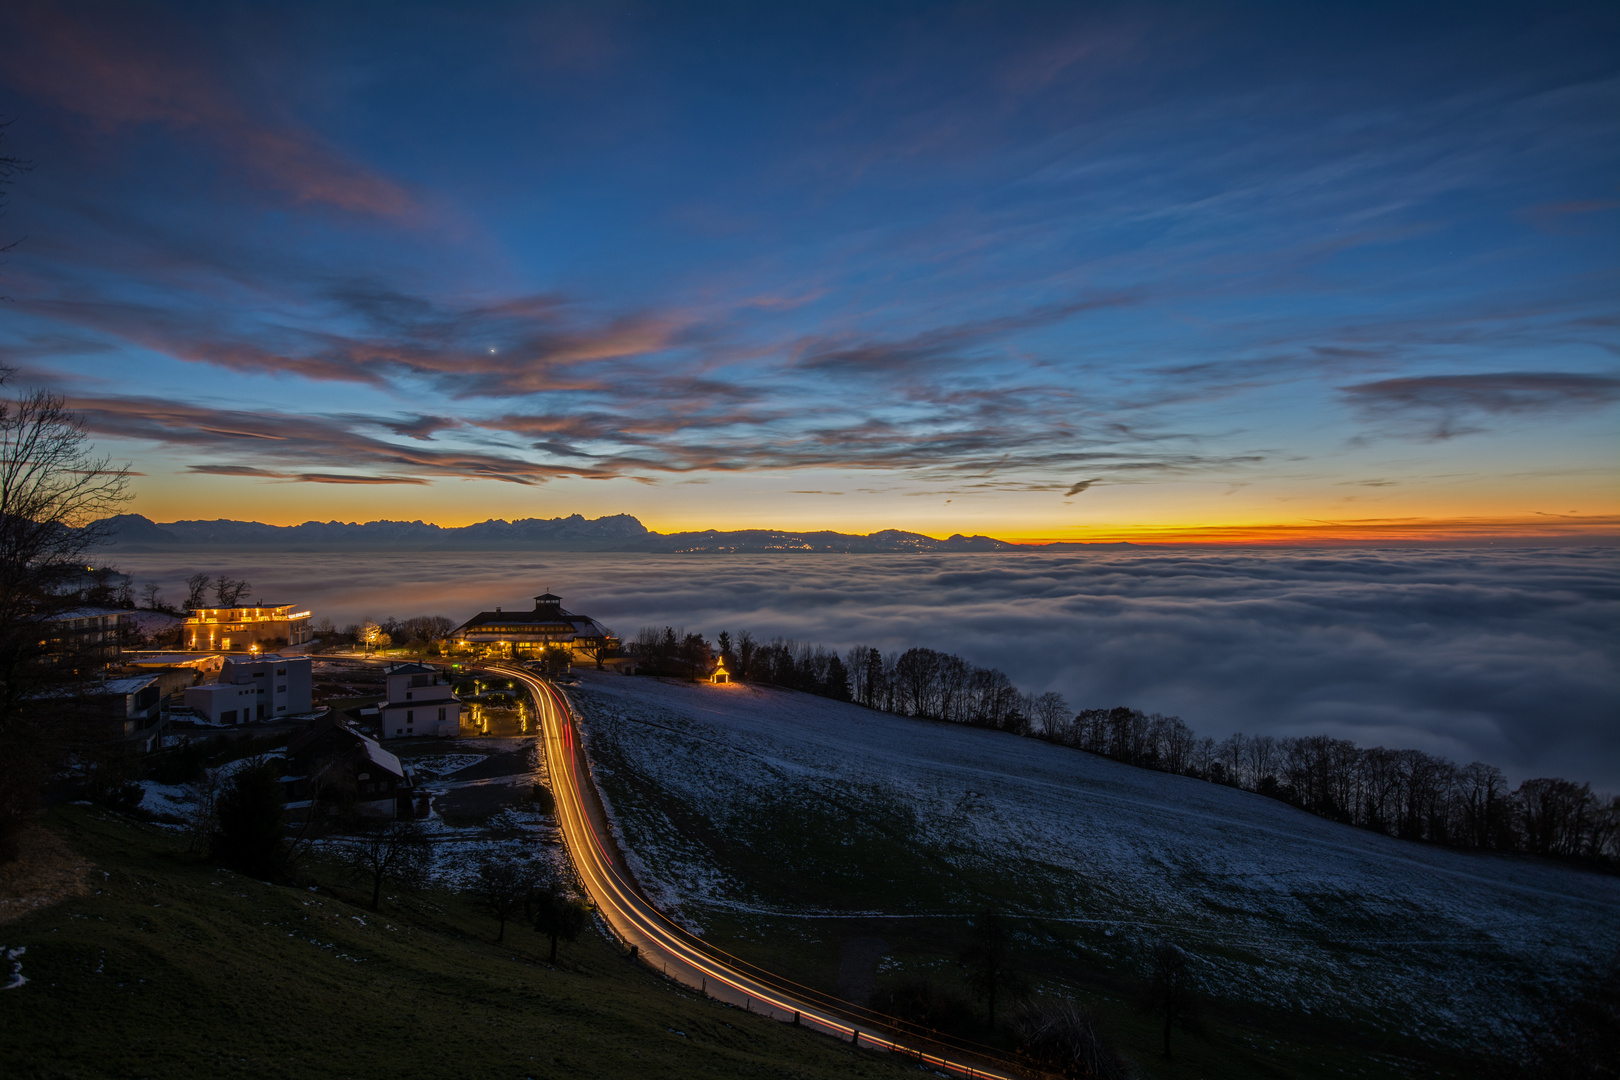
(1507, 657)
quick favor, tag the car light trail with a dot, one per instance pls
(681, 955)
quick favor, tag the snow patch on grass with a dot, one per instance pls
(747, 798)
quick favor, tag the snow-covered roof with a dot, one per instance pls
(85, 613)
(380, 757)
(169, 659)
(129, 684)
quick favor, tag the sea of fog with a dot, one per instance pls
(1508, 657)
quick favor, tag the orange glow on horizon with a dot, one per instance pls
(1596, 529)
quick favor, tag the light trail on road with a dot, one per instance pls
(679, 954)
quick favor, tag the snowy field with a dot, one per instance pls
(906, 818)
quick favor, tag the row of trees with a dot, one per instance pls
(1405, 793)
(536, 889)
(422, 633)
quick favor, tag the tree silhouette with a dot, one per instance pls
(1169, 992)
(991, 964)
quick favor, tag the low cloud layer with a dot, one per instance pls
(1505, 657)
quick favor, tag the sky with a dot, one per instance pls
(1252, 273)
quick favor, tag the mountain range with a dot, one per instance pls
(618, 532)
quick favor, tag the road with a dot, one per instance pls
(682, 956)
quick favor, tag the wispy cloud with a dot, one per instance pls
(133, 70)
(1446, 406)
(302, 478)
(301, 440)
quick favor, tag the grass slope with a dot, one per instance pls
(786, 827)
(171, 968)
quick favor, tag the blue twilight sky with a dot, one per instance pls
(1058, 271)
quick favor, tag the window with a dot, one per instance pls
(407, 695)
(441, 716)
(281, 671)
(282, 689)
(408, 714)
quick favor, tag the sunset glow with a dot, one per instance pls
(1061, 274)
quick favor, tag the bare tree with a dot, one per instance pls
(555, 909)
(502, 887)
(1052, 716)
(396, 852)
(1058, 1033)
(229, 590)
(197, 590)
(53, 492)
(1169, 991)
(992, 967)
(10, 168)
(201, 813)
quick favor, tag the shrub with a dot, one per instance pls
(1059, 1034)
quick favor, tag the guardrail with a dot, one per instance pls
(806, 1005)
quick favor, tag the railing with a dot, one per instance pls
(685, 946)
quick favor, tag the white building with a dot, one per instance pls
(266, 688)
(420, 702)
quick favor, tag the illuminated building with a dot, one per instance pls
(530, 633)
(246, 628)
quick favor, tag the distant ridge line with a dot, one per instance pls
(615, 533)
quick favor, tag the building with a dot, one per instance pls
(246, 628)
(338, 767)
(120, 710)
(527, 634)
(264, 688)
(131, 707)
(94, 633)
(419, 703)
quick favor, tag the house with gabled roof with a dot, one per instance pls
(420, 702)
(334, 766)
(529, 634)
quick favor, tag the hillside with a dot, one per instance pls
(170, 968)
(788, 825)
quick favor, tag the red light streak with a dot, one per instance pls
(629, 914)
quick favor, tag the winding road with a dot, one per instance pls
(688, 959)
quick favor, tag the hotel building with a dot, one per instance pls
(247, 628)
